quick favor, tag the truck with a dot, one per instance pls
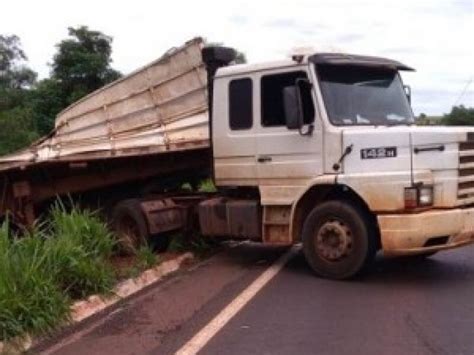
(319, 149)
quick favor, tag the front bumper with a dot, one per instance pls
(405, 234)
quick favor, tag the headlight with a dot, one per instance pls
(425, 196)
(418, 196)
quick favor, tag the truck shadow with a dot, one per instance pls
(437, 269)
(450, 267)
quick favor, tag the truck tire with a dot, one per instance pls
(130, 226)
(338, 243)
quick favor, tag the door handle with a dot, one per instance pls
(264, 159)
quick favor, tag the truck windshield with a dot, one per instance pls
(356, 95)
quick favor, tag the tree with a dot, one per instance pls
(82, 63)
(17, 128)
(459, 116)
(46, 101)
(28, 108)
(13, 73)
(425, 120)
(80, 66)
(240, 58)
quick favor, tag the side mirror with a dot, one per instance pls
(293, 97)
(407, 90)
(291, 104)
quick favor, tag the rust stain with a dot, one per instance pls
(236, 218)
(276, 225)
(163, 215)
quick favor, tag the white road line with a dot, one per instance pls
(205, 334)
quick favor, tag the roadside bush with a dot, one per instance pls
(30, 300)
(82, 227)
(63, 259)
(146, 258)
(79, 252)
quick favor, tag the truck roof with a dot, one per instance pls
(317, 58)
(357, 60)
(253, 67)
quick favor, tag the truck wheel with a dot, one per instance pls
(130, 225)
(337, 241)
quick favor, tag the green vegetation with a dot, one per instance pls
(16, 121)
(67, 257)
(459, 116)
(207, 186)
(146, 258)
(41, 273)
(194, 243)
(424, 120)
(30, 300)
(178, 243)
(28, 107)
(81, 247)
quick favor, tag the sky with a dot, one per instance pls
(434, 36)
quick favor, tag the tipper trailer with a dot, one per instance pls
(320, 148)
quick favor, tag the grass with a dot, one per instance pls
(60, 260)
(30, 300)
(207, 186)
(146, 258)
(200, 246)
(65, 258)
(178, 243)
(80, 248)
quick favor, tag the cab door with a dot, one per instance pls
(284, 156)
(234, 144)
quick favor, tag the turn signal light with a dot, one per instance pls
(411, 197)
(418, 196)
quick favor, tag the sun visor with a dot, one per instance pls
(357, 60)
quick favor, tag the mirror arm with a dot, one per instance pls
(407, 90)
(310, 129)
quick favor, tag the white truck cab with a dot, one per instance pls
(329, 140)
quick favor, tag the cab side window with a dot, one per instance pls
(240, 104)
(271, 86)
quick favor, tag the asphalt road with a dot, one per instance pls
(400, 308)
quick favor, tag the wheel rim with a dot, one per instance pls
(333, 240)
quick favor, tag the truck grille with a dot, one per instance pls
(466, 173)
